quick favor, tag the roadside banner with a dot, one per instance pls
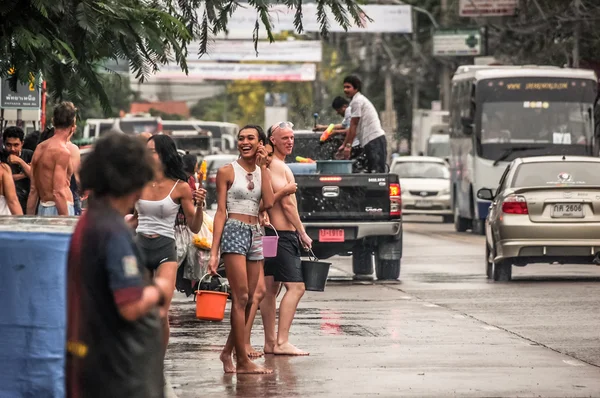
(487, 8)
(386, 19)
(199, 71)
(243, 50)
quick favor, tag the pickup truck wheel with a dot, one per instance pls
(502, 271)
(362, 262)
(387, 269)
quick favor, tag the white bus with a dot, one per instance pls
(499, 113)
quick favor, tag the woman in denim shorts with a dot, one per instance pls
(243, 187)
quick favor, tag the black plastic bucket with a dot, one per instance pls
(315, 274)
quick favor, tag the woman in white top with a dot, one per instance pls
(156, 211)
(9, 203)
(241, 186)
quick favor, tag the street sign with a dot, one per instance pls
(27, 96)
(487, 8)
(456, 43)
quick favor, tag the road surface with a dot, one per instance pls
(443, 330)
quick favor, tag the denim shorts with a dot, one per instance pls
(241, 238)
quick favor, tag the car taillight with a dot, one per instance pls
(515, 204)
(395, 200)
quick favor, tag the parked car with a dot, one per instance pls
(545, 210)
(213, 164)
(425, 183)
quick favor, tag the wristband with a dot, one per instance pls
(348, 145)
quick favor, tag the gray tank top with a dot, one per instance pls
(157, 216)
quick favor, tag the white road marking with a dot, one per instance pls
(458, 316)
(573, 362)
(430, 305)
(406, 298)
(487, 327)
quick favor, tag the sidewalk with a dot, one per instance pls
(375, 340)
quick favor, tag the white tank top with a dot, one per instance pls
(157, 217)
(241, 199)
(4, 210)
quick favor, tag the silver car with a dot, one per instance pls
(545, 210)
(425, 185)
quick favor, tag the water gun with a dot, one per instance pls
(202, 171)
(300, 159)
(327, 133)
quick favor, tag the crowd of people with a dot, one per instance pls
(122, 260)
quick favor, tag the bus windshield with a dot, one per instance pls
(554, 116)
(138, 126)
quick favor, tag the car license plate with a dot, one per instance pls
(331, 235)
(423, 203)
(567, 210)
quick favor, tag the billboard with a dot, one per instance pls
(386, 19)
(243, 50)
(199, 71)
(487, 8)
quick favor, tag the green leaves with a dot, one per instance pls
(66, 40)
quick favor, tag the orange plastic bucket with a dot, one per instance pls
(210, 306)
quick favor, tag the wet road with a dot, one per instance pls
(444, 330)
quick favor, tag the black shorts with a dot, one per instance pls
(376, 155)
(156, 251)
(287, 265)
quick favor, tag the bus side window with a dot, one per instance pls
(92, 130)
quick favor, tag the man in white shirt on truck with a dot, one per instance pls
(366, 126)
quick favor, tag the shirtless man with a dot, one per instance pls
(52, 168)
(286, 267)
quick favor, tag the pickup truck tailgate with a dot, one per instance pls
(344, 197)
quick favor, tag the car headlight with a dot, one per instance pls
(444, 192)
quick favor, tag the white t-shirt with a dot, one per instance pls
(346, 124)
(369, 126)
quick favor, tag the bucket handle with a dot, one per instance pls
(273, 228)
(201, 279)
(311, 255)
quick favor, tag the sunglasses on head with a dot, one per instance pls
(282, 125)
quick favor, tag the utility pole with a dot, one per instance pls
(446, 72)
(415, 37)
(576, 35)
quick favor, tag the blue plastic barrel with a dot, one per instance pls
(33, 257)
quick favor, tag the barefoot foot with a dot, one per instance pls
(252, 353)
(269, 348)
(288, 349)
(251, 368)
(228, 366)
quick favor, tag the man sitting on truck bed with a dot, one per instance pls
(366, 126)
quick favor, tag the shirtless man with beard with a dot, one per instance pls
(52, 168)
(286, 267)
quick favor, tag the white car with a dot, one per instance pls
(425, 185)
